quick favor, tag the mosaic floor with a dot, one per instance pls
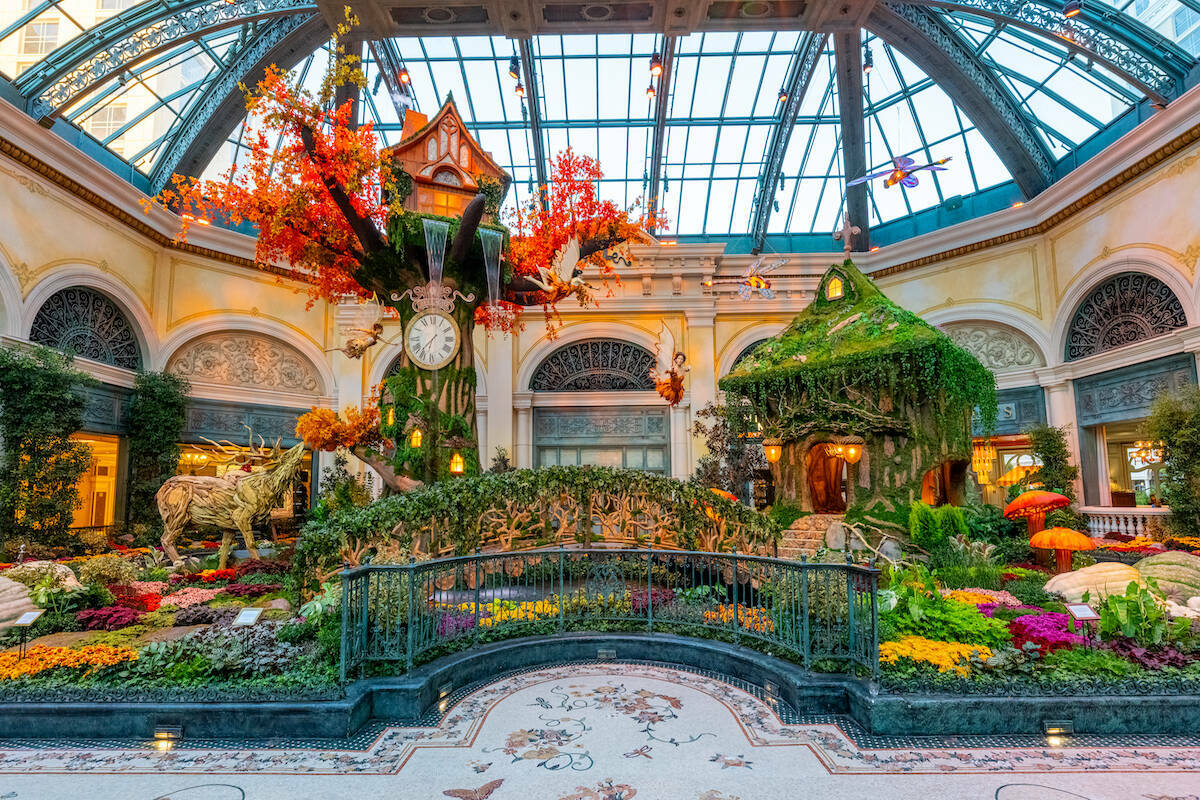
(610, 732)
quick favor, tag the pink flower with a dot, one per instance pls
(192, 596)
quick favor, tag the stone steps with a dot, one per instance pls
(806, 535)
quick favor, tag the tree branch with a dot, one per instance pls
(364, 229)
(471, 217)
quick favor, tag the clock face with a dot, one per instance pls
(431, 340)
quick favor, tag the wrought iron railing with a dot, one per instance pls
(804, 611)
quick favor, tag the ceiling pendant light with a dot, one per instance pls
(514, 67)
(783, 95)
(404, 77)
(650, 90)
(1072, 8)
(868, 61)
(519, 89)
(656, 65)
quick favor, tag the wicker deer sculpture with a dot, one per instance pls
(234, 502)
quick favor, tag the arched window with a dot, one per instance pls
(595, 365)
(747, 350)
(87, 323)
(1126, 308)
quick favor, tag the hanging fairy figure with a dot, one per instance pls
(668, 378)
(565, 279)
(356, 346)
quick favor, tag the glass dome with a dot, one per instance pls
(742, 141)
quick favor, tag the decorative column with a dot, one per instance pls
(499, 397)
(1060, 412)
(1191, 343)
(350, 373)
(523, 404)
(681, 463)
(702, 356)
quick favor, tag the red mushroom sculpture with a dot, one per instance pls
(1062, 541)
(1033, 505)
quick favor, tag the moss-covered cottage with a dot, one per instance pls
(870, 405)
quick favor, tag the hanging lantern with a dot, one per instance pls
(983, 456)
(772, 450)
(853, 453)
(457, 465)
(391, 415)
(835, 450)
(414, 438)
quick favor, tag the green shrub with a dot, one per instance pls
(1139, 615)
(987, 523)
(1029, 591)
(107, 570)
(986, 576)
(948, 621)
(951, 521)
(40, 465)
(923, 527)
(156, 416)
(1084, 661)
(784, 515)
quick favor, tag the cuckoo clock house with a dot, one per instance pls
(447, 165)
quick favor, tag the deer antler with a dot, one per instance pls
(228, 448)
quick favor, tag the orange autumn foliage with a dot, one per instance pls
(574, 209)
(284, 192)
(325, 429)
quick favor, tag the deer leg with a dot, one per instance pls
(226, 544)
(170, 534)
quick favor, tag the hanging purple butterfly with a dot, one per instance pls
(901, 172)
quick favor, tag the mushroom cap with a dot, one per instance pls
(1033, 502)
(723, 493)
(1062, 539)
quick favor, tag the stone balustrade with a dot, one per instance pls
(1103, 520)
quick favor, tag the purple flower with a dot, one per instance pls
(1049, 632)
(454, 623)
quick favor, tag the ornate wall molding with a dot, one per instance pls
(1126, 308)
(604, 365)
(238, 358)
(217, 420)
(106, 409)
(1017, 409)
(1127, 393)
(997, 347)
(87, 323)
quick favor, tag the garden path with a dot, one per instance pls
(609, 732)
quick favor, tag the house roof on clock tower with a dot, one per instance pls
(412, 150)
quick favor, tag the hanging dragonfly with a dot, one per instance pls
(753, 280)
(901, 172)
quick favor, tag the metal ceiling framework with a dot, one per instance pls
(282, 42)
(934, 47)
(800, 74)
(540, 164)
(281, 31)
(662, 100)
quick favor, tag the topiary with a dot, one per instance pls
(107, 571)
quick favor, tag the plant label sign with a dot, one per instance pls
(1082, 612)
(27, 619)
(247, 616)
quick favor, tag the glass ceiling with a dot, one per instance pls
(722, 107)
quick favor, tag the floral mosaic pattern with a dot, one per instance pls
(605, 732)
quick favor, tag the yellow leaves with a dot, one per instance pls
(41, 658)
(946, 656)
(752, 619)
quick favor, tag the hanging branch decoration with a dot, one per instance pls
(551, 246)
